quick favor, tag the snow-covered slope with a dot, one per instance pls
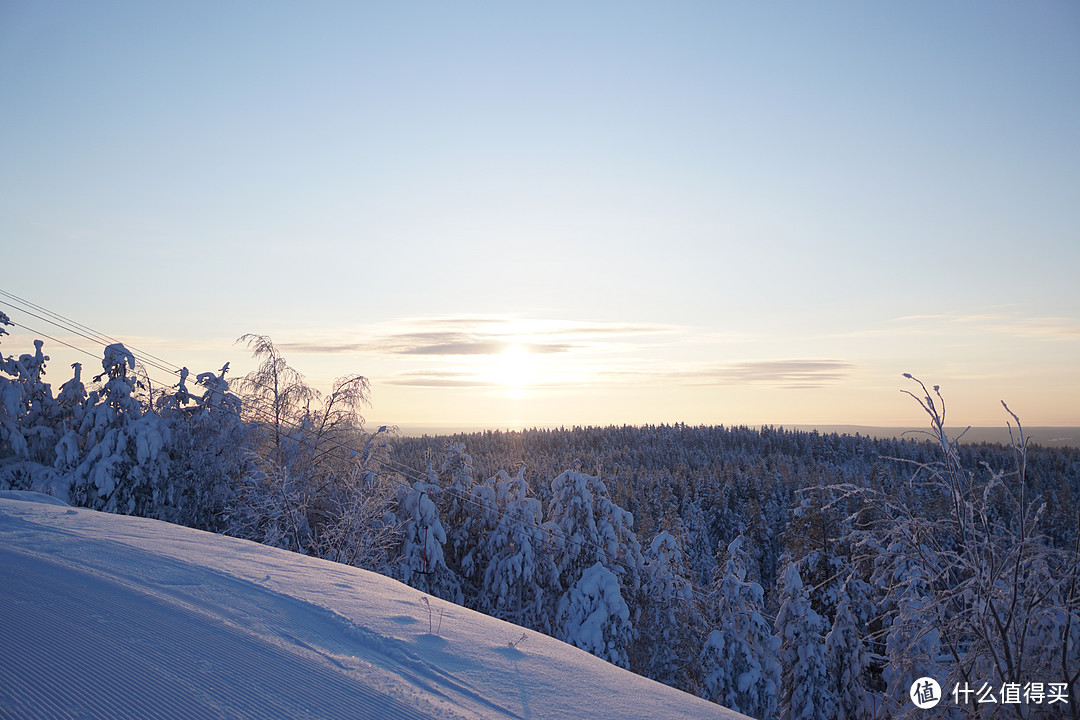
(105, 616)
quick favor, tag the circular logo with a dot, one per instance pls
(925, 693)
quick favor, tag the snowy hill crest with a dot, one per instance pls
(109, 616)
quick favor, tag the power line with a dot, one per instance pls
(138, 357)
(57, 340)
(75, 327)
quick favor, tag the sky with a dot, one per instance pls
(510, 214)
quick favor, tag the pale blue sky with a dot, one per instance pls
(709, 212)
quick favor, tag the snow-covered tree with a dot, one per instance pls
(667, 622)
(911, 616)
(30, 424)
(739, 660)
(276, 398)
(806, 689)
(39, 409)
(361, 530)
(72, 407)
(207, 451)
(972, 578)
(520, 567)
(422, 562)
(593, 616)
(467, 510)
(12, 443)
(300, 493)
(126, 463)
(847, 664)
(593, 529)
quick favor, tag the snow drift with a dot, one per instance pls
(109, 616)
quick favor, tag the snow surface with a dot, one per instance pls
(108, 616)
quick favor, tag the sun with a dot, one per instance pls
(514, 369)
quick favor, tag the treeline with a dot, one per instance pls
(826, 571)
(779, 573)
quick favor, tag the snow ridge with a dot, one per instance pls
(109, 616)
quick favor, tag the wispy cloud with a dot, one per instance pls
(326, 348)
(788, 374)
(611, 329)
(478, 335)
(439, 379)
(1014, 324)
(1049, 328)
(483, 347)
(465, 343)
(471, 352)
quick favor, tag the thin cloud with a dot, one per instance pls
(439, 383)
(491, 336)
(466, 321)
(477, 347)
(787, 374)
(453, 380)
(924, 316)
(454, 347)
(1018, 325)
(322, 348)
(952, 324)
(1049, 328)
(477, 335)
(613, 329)
(439, 379)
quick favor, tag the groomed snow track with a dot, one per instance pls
(104, 617)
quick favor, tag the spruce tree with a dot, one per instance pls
(520, 570)
(806, 690)
(847, 664)
(739, 659)
(593, 616)
(667, 617)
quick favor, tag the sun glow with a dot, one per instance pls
(514, 369)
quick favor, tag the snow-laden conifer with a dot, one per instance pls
(593, 529)
(126, 462)
(422, 563)
(913, 640)
(667, 618)
(461, 514)
(739, 660)
(847, 663)
(520, 568)
(208, 451)
(806, 689)
(72, 406)
(29, 425)
(593, 616)
(12, 443)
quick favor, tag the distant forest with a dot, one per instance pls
(863, 527)
(710, 484)
(781, 573)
